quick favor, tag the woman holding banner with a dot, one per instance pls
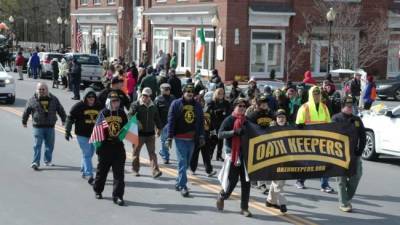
(232, 128)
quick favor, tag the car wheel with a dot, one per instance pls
(369, 152)
(11, 100)
(382, 98)
(397, 94)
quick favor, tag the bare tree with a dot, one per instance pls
(356, 42)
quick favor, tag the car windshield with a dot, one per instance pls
(52, 56)
(26, 55)
(87, 59)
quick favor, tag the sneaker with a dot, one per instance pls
(157, 174)
(35, 167)
(185, 192)
(118, 201)
(177, 188)
(219, 158)
(212, 173)
(270, 205)
(283, 208)
(98, 196)
(345, 208)
(90, 180)
(300, 185)
(327, 190)
(136, 174)
(220, 203)
(266, 191)
(49, 164)
(246, 213)
(166, 161)
(193, 173)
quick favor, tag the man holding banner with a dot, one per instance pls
(347, 185)
(314, 112)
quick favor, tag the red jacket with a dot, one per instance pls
(130, 82)
(20, 60)
(308, 79)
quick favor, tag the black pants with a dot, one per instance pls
(64, 81)
(205, 153)
(75, 88)
(215, 142)
(55, 79)
(367, 105)
(234, 173)
(111, 156)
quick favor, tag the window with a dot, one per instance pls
(160, 42)
(97, 2)
(267, 52)
(159, 1)
(393, 65)
(112, 42)
(83, 2)
(110, 2)
(85, 39)
(183, 49)
(206, 64)
(97, 35)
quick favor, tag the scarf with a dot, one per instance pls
(239, 120)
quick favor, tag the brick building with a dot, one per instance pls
(107, 22)
(252, 37)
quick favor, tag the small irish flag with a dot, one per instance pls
(200, 45)
(130, 131)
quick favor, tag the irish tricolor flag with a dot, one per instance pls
(130, 131)
(200, 45)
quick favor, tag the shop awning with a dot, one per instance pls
(270, 14)
(182, 14)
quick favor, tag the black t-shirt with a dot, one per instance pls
(84, 117)
(44, 103)
(261, 118)
(116, 120)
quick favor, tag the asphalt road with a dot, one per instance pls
(57, 195)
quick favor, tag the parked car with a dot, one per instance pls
(92, 72)
(46, 70)
(7, 86)
(389, 88)
(383, 130)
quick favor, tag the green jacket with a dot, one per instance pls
(147, 116)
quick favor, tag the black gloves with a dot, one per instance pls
(169, 143)
(300, 126)
(238, 132)
(68, 136)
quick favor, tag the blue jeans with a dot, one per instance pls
(87, 155)
(184, 151)
(40, 135)
(35, 72)
(164, 153)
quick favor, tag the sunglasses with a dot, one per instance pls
(242, 106)
(145, 95)
(316, 92)
(41, 89)
(91, 96)
(189, 91)
(115, 100)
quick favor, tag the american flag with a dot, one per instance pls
(78, 38)
(98, 134)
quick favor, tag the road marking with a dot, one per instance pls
(201, 183)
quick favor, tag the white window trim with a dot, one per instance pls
(161, 1)
(391, 73)
(205, 72)
(282, 41)
(159, 37)
(183, 69)
(114, 2)
(97, 3)
(83, 4)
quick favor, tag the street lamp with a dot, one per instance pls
(59, 22)
(48, 32)
(66, 23)
(11, 20)
(214, 23)
(330, 17)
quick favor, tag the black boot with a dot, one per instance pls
(118, 201)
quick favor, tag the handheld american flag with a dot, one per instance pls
(98, 134)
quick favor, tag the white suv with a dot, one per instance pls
(7, 86)
(45, 63)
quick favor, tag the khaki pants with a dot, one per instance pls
(151, 148)
(275, 195)
(19, 70)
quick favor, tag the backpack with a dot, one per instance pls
(373, 93)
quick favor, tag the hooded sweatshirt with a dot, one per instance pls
(312, 113)
(83, 116)
(308, 78)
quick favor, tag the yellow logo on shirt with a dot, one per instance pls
(91, 116)
(189, 113)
